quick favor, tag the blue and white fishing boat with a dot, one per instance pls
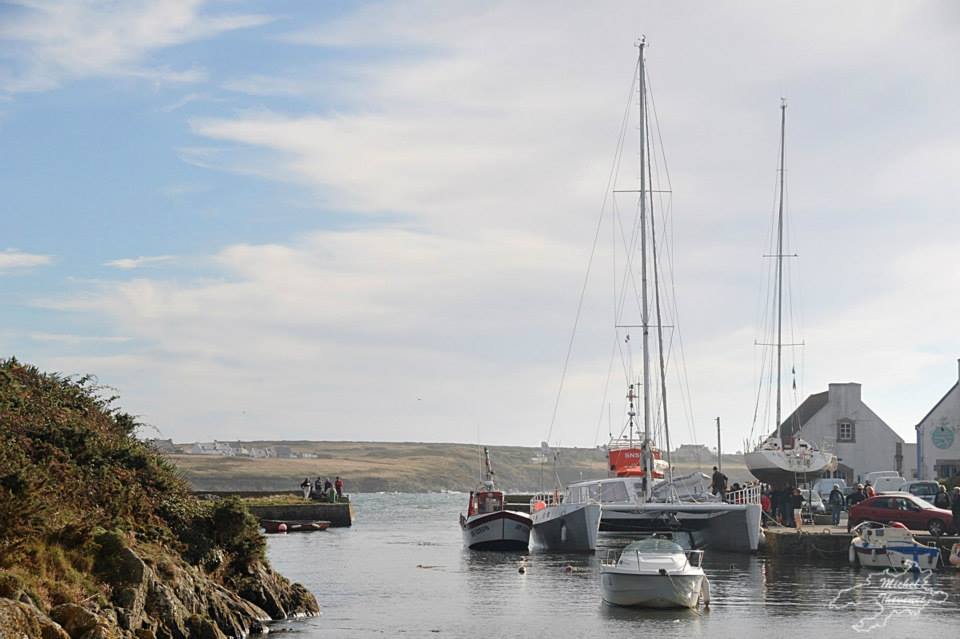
(876, 545)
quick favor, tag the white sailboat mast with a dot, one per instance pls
(644, 310)
(647, 455)
(783, 125)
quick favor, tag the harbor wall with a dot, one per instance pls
(339, 515)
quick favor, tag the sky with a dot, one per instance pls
(372, 221)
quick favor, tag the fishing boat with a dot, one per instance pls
(488, 525)
(655, 573)
(783, 458)
(876, 545)
(642, 496)
(273, 526)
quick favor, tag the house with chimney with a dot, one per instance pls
(838, 420)
(938, 437)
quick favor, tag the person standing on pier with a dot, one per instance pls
(942, 499)
(305, 486)
(338, 485)
(796, 500)
(955, 507)
(853, 499)
(836, 504)
(869, 489)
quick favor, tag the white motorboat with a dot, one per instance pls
(876, 545)
(567, 524)
(487, 524)
(782, 458)
(655, 573)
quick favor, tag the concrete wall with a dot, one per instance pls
(938, 435)
(875, 443)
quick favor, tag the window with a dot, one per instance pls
(846, 431)
(613, 492)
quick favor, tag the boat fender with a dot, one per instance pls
(955, 555)
(563, 532)
(705, 592)
(282, 528)
(852, 555)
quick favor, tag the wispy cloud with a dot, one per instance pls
(66, 338)
(130, 263)
(54, 41)
(13, 259)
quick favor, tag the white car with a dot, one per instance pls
(922, 488)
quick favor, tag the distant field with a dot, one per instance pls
(406, 467)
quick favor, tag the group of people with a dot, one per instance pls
(323, 489)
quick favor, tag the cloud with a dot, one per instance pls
(64, 338)
(129, 263)
(487, 131)
(54, 42)
(13, 259)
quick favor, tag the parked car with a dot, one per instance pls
(923, 488)
(912, 511)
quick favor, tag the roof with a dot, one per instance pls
(810, 407)
(937, 405)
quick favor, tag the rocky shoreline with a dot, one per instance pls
(162, 599)
(100, 537)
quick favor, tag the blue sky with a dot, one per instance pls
(314, 220)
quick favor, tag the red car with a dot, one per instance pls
(910, 510)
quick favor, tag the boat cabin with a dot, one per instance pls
(485, 501)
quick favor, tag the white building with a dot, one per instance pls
(938, 437)
(837, 420)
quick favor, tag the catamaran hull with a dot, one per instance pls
(650, 591)
(567, 527)
(726, 527)
(502, 530)
(776, 469)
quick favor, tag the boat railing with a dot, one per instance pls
(542, 500)
(748, 495)
(695, 558)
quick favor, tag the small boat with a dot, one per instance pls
(487, 524)
(655, 573)
(272, 526)
(877, 545)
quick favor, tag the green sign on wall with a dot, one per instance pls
(943, 437)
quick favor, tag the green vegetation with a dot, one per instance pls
(77, 488)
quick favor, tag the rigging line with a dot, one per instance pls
(606, 386)
(685, 384)
(593, 252)
(656, 298)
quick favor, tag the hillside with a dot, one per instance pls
(405, 467)
(101, 539)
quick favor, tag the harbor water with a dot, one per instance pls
(401, 570)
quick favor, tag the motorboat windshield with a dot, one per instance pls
(654, 546)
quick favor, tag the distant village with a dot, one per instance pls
(229, 449)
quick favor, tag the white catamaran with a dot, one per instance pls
(783, 458)
(643, 496)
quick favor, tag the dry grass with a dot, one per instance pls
(405, 466)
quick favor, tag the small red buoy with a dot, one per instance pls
(282, 528)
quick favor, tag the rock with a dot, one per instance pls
(18, 619)
(203, 628)
(75, 619)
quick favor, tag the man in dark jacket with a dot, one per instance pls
(955, 506)
(853, 499)
(836, 504)
(718, 483)
(942, 498)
